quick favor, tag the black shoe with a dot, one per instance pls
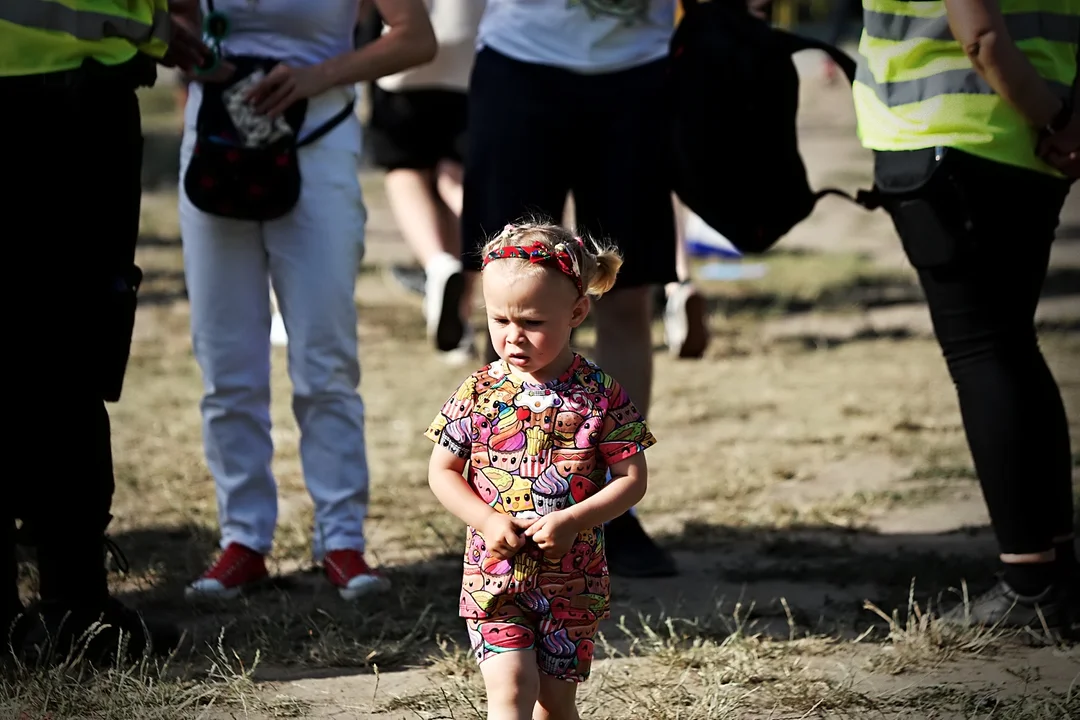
(1004, 607)
(632, 553)
(54, 631)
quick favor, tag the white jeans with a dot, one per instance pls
(311, 256)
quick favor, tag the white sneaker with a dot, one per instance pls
(278, 336)
(685, 329)
(444, 286)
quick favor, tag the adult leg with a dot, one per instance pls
(449, 180)
(80, 183)
(982, 301)
(625, 195)
(405, 137)
(315, 253)
(227, 277)
(517, 164)
(413, 202)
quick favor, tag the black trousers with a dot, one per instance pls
(606, 144)
(72, 170)
(979, 235)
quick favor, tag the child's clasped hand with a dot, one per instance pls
(503, 535)
(554, 533)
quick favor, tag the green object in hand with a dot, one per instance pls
(215, 28)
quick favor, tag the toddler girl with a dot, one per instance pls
(539, 430)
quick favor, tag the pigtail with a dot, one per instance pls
(608, 261)
(599, 266)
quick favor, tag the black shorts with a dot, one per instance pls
(416, 129)
(539, 132)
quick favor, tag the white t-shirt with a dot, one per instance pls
(455, 23)
(585, 36)
(299, 33)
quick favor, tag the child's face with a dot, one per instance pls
(530, 316)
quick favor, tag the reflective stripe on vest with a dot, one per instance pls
(916, 88)
(1053, 26)
(50, 35)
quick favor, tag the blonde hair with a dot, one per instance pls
(597, 265)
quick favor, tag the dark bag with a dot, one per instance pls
(736, 97)
(229, 179)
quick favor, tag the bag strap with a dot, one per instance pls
(867, 199)
(798, 42)
(329, 125)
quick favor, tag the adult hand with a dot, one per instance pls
(284, 85)
(1062, 149)
(186, 48)
(554, 533)
(502, 534)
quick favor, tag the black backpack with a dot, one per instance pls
(735, 92)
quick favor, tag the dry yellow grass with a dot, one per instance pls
(808, 485)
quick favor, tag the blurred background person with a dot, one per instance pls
(417, 134)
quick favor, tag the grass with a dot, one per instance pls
(779, 464)
(146, 689)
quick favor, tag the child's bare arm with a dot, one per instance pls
(629, 481)
(499, 531)
(447, 482)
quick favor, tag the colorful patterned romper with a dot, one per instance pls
(534, 450)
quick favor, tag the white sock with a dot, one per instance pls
(443, 260)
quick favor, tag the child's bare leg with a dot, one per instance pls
(558, 700)
(513, 684)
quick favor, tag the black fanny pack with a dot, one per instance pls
(249, 172)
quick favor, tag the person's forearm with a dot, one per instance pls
(619, 495)
(1000, 62)
(456, 496)
(399, 49)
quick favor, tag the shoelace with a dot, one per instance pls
(351, 566)
(117, 554)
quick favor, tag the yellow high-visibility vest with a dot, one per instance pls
(915, 87)
(43, 36)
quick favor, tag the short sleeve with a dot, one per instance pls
(624, 432)
(452, 427)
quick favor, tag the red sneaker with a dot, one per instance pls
(237, 568)
(348, 570)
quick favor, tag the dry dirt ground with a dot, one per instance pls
(811, 477)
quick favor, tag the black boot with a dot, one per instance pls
(75, 597)
(632, 553)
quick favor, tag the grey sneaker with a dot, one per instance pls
(1004, 607)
